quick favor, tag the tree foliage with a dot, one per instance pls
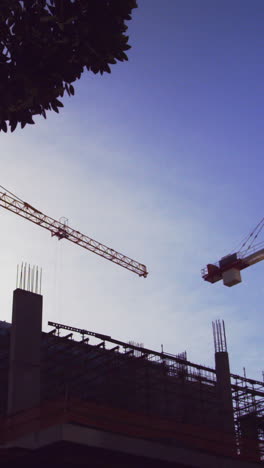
(45, 45)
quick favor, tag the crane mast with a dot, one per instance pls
(61, 230)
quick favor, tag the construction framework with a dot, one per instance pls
(248, 404)
(94, 379)
(157, 378)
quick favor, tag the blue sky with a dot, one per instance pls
(161, 160)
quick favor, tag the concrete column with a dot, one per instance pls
(224, 391)
(25, 347)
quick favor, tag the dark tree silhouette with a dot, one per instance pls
(45, 45)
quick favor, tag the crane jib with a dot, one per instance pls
(63, 231)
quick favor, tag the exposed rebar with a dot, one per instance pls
(29, 278)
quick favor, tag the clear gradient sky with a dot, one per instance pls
(163, 161)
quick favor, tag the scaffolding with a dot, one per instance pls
(155, 383)
(96, 369)
(248, 404)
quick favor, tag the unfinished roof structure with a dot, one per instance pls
(71, 395)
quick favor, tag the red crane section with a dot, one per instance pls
(228, 268)
(61, 230)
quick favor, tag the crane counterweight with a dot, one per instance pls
(229, 267)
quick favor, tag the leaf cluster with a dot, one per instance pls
(45, 45)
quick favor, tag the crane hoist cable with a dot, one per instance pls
(252, 236)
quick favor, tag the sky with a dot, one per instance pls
(161, 160)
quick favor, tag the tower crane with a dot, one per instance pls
(228, 268)
(61, 230)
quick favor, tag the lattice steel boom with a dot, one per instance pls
(62, 231)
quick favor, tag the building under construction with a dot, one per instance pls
(72, 397)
